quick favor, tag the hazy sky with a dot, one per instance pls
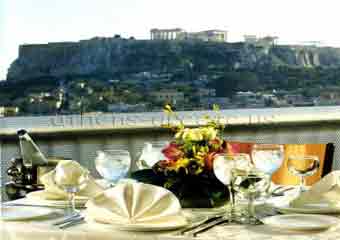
(41, 21)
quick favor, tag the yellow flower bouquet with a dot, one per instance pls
(188, 168)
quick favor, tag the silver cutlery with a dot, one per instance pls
(66, 219)
(208, 226)
(11, 204)
(200, 224)
(277, 188)
(224, 220)
(280, 191)
(264, 214)
(32, 205)
(75, 221)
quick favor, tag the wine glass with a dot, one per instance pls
(72, 178)
(223, 165)
(251, 185)
(303, 166)
(267, 157)
(113, 165)
(150, 154)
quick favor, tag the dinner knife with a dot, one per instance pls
(73, 222)
(37, 205)
(66, 219)
(281, 191)
(200, 224)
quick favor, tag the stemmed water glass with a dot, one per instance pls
(113, 165)
(250, 184)
(303, 166)
(72, 178)
(267, 157)
(223, 166)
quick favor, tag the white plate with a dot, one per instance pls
(301, 222)
(170, 224)
(40, 196)
(15, 213)
(320, 208)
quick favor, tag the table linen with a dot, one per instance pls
(42, 229)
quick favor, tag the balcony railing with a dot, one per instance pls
(79, 136)
(154, 120)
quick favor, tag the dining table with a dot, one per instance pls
(43, 229)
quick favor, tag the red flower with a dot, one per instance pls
(237, 147)
(233, 148)
(209, 160)
(172, 152)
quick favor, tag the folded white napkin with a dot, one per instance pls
(135, 203)
(73, 169)
(326, 191)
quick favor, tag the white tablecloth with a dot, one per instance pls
(42, 229)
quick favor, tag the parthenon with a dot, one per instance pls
(180, 34)
(165, 34)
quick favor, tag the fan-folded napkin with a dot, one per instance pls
(135, 203)
(326, 191)
(73, 170)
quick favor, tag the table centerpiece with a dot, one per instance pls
(187, 169)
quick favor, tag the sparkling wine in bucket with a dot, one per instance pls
(30, 152)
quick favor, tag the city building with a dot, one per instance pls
(205, 92)
(166, 34)
(250, 39)
(293, 98)
(328, 97)
(124, 107)
(222, 102)
(171, 96)
(330, 94)
(299, 100)
(213, 35)
(209, 35)
(267, 41)
(8, 111)
(249, 100)
(246, 97)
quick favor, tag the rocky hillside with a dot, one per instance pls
(112, 56)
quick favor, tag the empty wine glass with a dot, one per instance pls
(71, 177)
(223, 165)
(150, 154)
(303, 166)
(267, 157)
(113, 165)
(251, 185)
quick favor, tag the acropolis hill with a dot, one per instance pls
(111, 56)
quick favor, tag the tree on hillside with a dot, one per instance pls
(226, 85)
(248, 81)
(231, 82)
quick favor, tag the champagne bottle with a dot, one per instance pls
(30, 152)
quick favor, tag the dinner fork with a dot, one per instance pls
(206, 227)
